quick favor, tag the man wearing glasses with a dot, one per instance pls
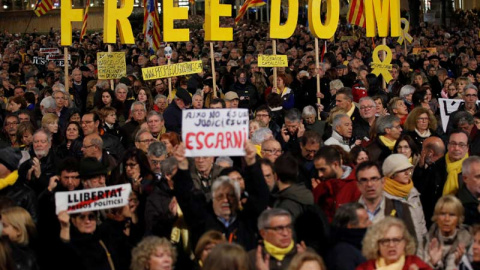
(370, 182)
(388, 130)
(470, 98)
(93, 148)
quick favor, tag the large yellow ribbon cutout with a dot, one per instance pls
(382, 67)
(404, 33)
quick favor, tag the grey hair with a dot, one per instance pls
(138, 103)
(159, 96)
(139, 133)
(102, 84)
(470, 86)
(168, 165)
(369, 99)
(223, 181)
(406, 90)
(267, 215)
(49, 136)
(293, 115)
(157, 149)
(336, 84)
(97, 141)
(60, 86)
(309, 111)
(121, 86)
(337, 119)
(467, 163)
(153, 113)
(346, 215)
(224, 159)
(260, 135)
(385, 122)
(59, 91)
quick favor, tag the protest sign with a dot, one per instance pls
(382, 67)
(419, 50)
(111, 65)
(92, 199)
(42, 61)
(53, 57)
(272, 60)
(447, 107)
(172, 70)
(50, 50)
(215, 132)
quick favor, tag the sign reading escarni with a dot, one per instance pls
(166, 71)
(215, 132)
(111, 65)
(272, 60)
(92, 199)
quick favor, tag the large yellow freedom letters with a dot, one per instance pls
(171, 13)
(67, 16)
(318, 29)
(382, 13)
(213, 11)
(118, 17)
(286, 30)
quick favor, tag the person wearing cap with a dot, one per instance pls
(399, 186)
(12, 185)
(92, 173)
(173, 113)
(231, 100)
(208, 91)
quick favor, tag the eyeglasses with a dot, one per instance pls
(388, 241)
(367, 107)
(471, 95)
(90, 217)
(40, 141)
(11, 123)
(422, 119)
(311, 151)
(279, 229)
(87, 146)
(454, 144)
(272, 151)
(363, 181)
(408, 170)
(155, 162)
(221, 197)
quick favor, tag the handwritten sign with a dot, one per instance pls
(215, 132)
(419, 50)
(172, 70)
(382, 67)
(111, 65)
(92, 199)
(272, 60)
(447, 107)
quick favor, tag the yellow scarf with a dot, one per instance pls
(276, 252)
(397, 189)
(180, 231)
(9, 180)
(382, 265)
(259, 150)
(453, 169)
(387, 142)
(351, 111)
(410, 159)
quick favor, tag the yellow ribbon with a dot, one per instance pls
(404, 32)
(382, 67)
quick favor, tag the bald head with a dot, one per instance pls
(433, 148)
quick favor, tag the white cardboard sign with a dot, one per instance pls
(447, 107)
(92, 199)
(215, 132)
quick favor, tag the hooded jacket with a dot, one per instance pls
(293, 199)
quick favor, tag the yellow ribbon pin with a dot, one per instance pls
(382, 67)
(404, 32)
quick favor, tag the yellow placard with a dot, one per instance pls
(111, 65)
(272, 60)
(382, 67)
(172, 70)
(418, 50)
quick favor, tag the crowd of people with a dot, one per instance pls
(363, 174)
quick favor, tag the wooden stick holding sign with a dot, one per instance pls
(65, 67)
(384, 55)
(168, 54)
(274, 45)
(111, 81)
(317, 66)
(214, 74)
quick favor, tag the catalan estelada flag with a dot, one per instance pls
(84, 23)
(356, 14)
(248, 4)
(151, 24)
(42, 7)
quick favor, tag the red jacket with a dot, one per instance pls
(409, 260)
(332, 193)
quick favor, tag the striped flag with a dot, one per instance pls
(42, 7)
(248, 4)
(151, 25)
(84, 23)
(356, 14)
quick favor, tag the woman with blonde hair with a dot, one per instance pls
(388, 245)
(153, 253)
(50, 124)
(205, 245)
(420, 124)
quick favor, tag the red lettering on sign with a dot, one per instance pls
(199, 141)
(208, 144)
(188, 140)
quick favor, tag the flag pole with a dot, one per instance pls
(111, 81)
(214, 75)
(274, 45)
(65, 66)
(317, 64)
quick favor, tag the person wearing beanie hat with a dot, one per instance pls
(399, 186)
(173, 113)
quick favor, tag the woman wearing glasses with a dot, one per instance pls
(447, 240)
(388, 245)
(420, 124)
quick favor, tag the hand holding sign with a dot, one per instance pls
(382, 67)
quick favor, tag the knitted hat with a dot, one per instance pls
(395, 163)
(10, 158)
(91, 167)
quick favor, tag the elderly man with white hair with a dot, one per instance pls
(342, 132)
(79, 90)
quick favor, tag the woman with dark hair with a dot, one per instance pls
(72, 145)
(135, 170)
(74, 115)
(406, 145)
(145, 96)
(15, 104)
(25, 132)
(420, 124)
(381, 101)
(359, 154)
(205, 245)
(107, 99)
